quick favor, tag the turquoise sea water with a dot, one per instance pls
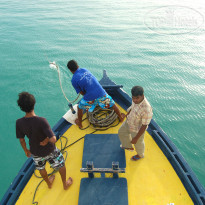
(155, 44)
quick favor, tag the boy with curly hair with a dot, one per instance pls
(41, 140)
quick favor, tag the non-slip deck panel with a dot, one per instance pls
(103, 149)
(103, 191)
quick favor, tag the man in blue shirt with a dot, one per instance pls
(87, 85)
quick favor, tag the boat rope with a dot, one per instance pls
(55, 66)
(101, 117)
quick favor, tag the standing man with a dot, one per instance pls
(41, 141)
(87, 85)
(138, 118)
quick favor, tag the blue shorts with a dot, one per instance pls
(104, 102)
(55, 159)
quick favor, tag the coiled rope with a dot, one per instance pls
(101, 117)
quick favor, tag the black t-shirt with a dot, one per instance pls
(36, 129)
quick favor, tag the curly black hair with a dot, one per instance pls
(72, 65)
(26, 101)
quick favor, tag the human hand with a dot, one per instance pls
(28, 153)
(44, 142)
(123, 115)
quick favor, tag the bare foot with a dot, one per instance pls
(69, 182)
(51, 179)
(78, 123)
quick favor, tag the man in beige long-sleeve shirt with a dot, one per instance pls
(138, 118)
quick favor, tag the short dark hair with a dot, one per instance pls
(26, 101)
(137, 91)
(72, 65)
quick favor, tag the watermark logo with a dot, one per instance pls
(173, 20)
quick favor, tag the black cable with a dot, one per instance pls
(35, 202)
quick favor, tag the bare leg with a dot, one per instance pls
(49, 180)
(80, 116)
(68, 183)
(117, 111)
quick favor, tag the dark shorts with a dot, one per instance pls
(104, 102)
(55, 159)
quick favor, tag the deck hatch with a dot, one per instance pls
(103, 149)
(103, 191)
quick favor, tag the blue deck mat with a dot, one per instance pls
(103, 149)
(103, 191)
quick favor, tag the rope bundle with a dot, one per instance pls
(102, 117)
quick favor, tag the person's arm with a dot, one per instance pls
(125, 115)
(48, 132)
(128, 113)
(23, 144)
(53, 139)
(45, 142)
(77, 88)
(145, 122)
(141, 131)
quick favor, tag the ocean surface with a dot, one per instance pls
(159, 45)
